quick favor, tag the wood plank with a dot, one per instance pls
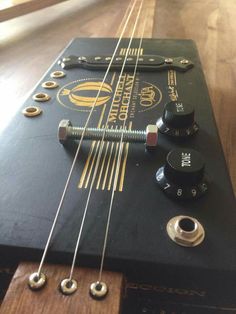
(146, 19)
(212, 25)
(18, 8)
(21, 300)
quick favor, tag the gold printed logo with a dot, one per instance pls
(147, 96)
(150, 96)
(84, 93)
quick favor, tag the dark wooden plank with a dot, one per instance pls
(21, 300)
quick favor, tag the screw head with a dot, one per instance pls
(151, 136)
(63, 131)
(184, 61)
(168, 60)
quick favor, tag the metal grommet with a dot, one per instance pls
(49, 84)
(37, 281)
(41, 97)
(58, 74)
(32, 111)
(98, 290)
(185, 231)
(68, 286)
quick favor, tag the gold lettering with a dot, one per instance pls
(160, 289)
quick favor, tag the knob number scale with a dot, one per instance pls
(178, 120)
(183, 176)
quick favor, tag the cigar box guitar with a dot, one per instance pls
(115, 190)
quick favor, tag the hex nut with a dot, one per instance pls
(63, 130)
(190, 235)
(151, 136)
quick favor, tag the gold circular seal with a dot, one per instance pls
(81, 95)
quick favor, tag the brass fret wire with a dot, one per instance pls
(79, 146)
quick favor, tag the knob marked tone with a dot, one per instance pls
(183, 175)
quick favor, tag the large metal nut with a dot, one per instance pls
(185, 231)
(63, 130)
(151, 136)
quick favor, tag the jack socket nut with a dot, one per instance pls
(185, 231)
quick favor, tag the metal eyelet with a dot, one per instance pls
(98, 290)
(68, 286)
(41, 97)
(58, 74)
(37, 281)
(49, 84)
(32, 111)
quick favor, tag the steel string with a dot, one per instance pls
(118, 163)
(101, 147)
(79, 145)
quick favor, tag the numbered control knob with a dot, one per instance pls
(183, 175)
(178, 120)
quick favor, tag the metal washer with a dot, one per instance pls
(49, 85)
(32, 111)
(68, 286)
(98, 290)
(37, 281)
(58, 74)
(41, 97)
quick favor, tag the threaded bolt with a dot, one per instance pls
(67, 132)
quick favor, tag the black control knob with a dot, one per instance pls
(178, 120)
(183, 175)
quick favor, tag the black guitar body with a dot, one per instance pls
(34, 167)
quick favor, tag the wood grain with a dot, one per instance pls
(212, 25)
(21, 300)
(17, 8)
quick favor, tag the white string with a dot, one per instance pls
(118, 163)
(101, 147)
(79, 146)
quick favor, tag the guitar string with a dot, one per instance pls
(119, 30)
(101, 149)
(79, 145)
(119, 160)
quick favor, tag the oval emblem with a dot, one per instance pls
(83, 94)
(149, 96)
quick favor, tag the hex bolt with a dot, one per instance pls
(68, 132)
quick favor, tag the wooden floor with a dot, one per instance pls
(29, 44)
